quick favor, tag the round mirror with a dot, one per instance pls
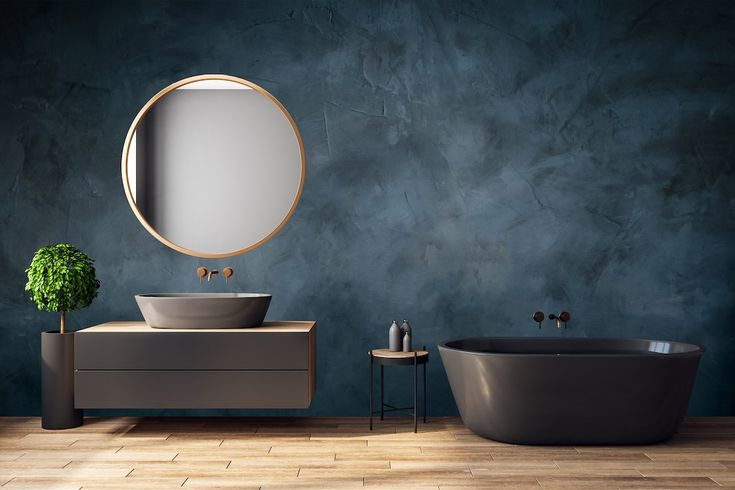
(213, 166)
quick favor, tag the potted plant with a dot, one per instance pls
(61, 278)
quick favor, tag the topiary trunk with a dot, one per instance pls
(63, 321)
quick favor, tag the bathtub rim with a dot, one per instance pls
(698, 349)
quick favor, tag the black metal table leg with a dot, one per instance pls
(370, 391)
(424, 391)
(415, 412)
(382, 404)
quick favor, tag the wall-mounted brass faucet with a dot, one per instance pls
(202, 272)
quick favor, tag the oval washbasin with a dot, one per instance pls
(203, 310)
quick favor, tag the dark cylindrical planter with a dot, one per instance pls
(57, 382)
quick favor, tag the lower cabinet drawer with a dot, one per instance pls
(191, 389)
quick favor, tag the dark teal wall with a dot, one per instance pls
(468, 163)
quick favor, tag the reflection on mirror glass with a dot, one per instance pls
(214, 167)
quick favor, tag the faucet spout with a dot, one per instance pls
(562, 318)
(211, 273)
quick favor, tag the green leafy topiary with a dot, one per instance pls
(61, 278)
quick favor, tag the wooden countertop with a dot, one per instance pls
(142, 327)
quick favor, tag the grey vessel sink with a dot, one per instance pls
(203, 310)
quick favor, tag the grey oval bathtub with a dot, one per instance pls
(536, 390)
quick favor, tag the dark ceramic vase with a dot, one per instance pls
(57, 382)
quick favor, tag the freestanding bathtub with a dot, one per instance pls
(537, 390)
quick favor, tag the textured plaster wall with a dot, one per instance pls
(468, 163)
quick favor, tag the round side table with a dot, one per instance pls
(385, 357)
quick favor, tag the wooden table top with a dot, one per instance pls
(388, 354)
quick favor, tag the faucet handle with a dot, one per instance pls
(201, 273)
(538, 317)
(228, 272)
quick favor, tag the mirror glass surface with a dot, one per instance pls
(213, 166)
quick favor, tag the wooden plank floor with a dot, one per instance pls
(158, 453)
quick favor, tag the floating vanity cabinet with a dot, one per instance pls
(131, 365)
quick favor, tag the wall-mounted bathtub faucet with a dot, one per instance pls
(538, 317)
(563, 317)
(211, 273)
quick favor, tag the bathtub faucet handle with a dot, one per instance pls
(563, 317)
(538, 317)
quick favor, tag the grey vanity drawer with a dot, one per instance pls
(192, 389)
(193, 350)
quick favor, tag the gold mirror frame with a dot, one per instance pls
(126, 149)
